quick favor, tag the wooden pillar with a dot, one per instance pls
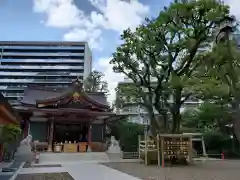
(89, 137)
(1, 152)
(26, 128)
(50, 139)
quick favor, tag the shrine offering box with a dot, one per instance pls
(58, 148)
(82, 146)
(70, 148)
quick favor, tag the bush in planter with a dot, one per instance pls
(9, 133)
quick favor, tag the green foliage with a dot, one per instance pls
(216, 142)
(95, 83)
(127, 94)
(211, 120)
(127, 133)
(9, 133)
(207, 117)
(164, 51)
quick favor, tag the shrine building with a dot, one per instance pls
(66, 119)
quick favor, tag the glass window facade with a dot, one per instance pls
(54, 64)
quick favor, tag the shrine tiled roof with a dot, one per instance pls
(32, 95)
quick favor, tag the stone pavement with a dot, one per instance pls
(209, 170)
(86, 171)
(100, 166)
(5, 175)
(55, 158)
(80, 166)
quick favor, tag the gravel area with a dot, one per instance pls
(45, 176)
(210, 170)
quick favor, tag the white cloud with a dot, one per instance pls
(89, 35)
(234, 7)
(111, 77)
(115, 15)
(120, 15)
(59, 13)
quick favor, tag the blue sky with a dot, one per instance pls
(37, 20)
(100, 22)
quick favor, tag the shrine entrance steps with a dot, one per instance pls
(65, 158)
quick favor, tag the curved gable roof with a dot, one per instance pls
(41, 95)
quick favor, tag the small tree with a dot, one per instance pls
(95, 83)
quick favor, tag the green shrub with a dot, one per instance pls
(9, 133)
(127, 133)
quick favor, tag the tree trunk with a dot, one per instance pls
(175, 110)
(153, 125)
(236, 119)
(165, 121)
(176, 118)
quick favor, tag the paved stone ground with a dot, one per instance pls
(41, 166)
(80, 171)
(45, 176)
(211, 170)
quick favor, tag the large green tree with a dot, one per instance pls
(218, 78)
(95, 82)
(161, 55)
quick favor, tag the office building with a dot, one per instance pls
(54, 64)
(137, 113)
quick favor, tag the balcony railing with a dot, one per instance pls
(44, 47)
(35, 82)
(40, 61)
(44, 54)
(41, 67)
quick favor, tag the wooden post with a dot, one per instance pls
(139, 147)
(26, 123)
(158, 150)
(190, 150)
(50, 139)
(26, 128)
(162, 153)
(89, 138)
(146, 150)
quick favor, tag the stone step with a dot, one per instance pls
(72, 157)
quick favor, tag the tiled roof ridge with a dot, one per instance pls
(88, 92)
(44, 88)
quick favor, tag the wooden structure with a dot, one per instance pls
(166, 147)
(198, 144)
(66, 117)
(7, 116)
